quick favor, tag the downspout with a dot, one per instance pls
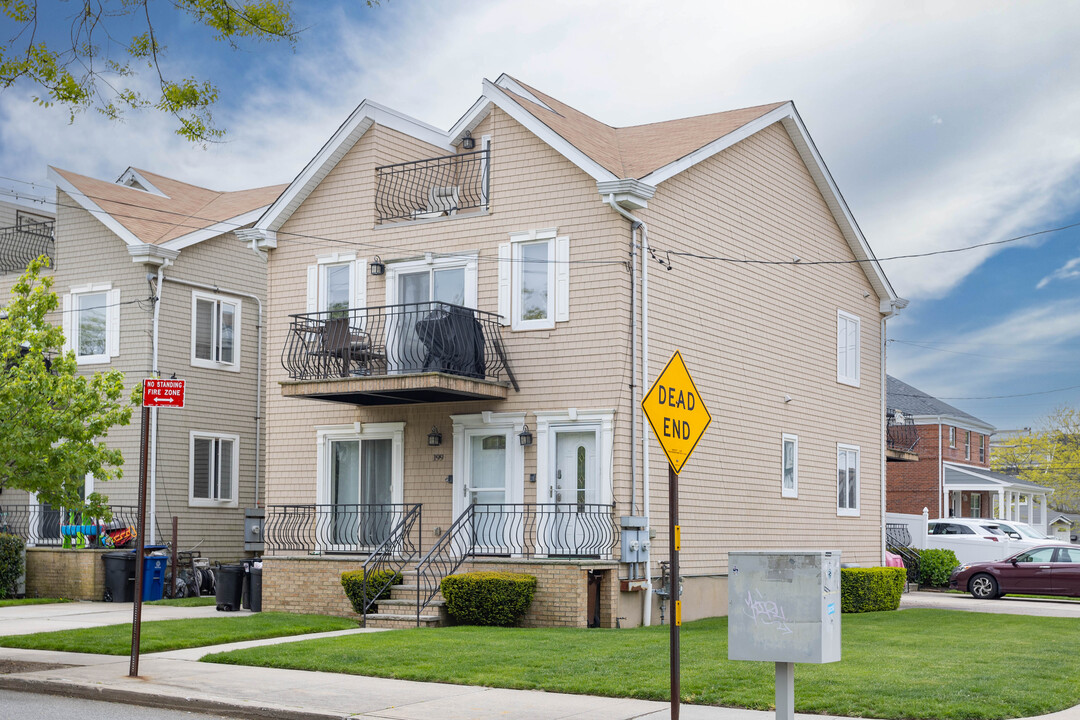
(152, 532)
(884, 437)
(258, 365)
(645, 504)
(940, 471)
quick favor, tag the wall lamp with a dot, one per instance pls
(467, 142)
(378, 267)
(434, 438)
(525, 437)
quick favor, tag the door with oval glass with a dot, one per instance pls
(485, 488)
(570, 524)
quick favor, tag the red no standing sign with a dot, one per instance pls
(163, 393)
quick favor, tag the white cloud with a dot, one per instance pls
(1068, 271)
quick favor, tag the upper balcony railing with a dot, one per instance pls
(20, 244)
(900, 431)
(396, 340)
(432, 188)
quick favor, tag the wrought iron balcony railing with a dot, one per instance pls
(395, 340)
(337, 528)
(20, 244)
(431, 188)
(900, 430)
(43, 526)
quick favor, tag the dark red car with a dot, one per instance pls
(1042, 570)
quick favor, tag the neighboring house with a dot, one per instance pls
(118, 246)
(460, 320)
(26, 232)
(947, 471)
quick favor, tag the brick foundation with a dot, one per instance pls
(307, 584)
(71, 574)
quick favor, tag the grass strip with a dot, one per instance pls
(162, 635)
(11, 602)
(185, 602)
(912, 664)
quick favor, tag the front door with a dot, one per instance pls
(485, 487)
(361, 514)
(415, 293)
(572, 515)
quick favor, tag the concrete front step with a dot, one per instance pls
(409, 591)
(403, 620)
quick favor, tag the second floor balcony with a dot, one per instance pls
(22, 243)
(397, 354)
(432, 188)
(902, 436)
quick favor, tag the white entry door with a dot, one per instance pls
(486, 488)
(571, 519)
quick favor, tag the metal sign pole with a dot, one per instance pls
(140, 545)
(674, 531)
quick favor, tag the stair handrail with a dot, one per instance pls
(444, 558)
(394, 553)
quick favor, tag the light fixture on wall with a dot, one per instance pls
(434, 438)
(525, 436)
(378, 267)
(467, 142)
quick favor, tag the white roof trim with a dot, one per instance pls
(468, 122)
(545, 133)
(359, 122)
(131, 174)
(93, 208)
(789, 117)
(975, 472)
(955, 421)
(197, 236)
(509, 83)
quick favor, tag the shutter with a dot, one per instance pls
(505, 268)
(853, 350)
(841, 347)
(113, 330)
(359, 288)
(562, 279)
(67, 322)
(312, 288)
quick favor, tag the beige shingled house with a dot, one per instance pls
(118, 245)
(466, 321)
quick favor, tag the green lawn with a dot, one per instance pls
(176, 634)
(186, 602)
(910, 664)
(31, 601)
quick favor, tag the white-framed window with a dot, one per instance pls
(215, 331)
(214, 469)
(982, 448)
(967, 444)
(976, 505)
(450, 279)
(789, 474)
(847, 348)
(336, 283)
(534, 280)
(91, 323)
(952, 437)
(847, 482)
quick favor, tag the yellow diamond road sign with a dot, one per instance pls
(676, 412)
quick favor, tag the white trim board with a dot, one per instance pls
(219, 228)
(93, 208)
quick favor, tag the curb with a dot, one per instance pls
(242, 711)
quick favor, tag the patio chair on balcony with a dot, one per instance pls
(350, 347)
(442, 200)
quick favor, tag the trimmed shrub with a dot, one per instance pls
(353, 583)
(11, 564)
(488, 598)
(871, 589)
(935, 566)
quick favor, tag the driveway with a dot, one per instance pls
(1006, 605)
(26, 619)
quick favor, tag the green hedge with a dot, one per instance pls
(935, 566)
(353, 583)
(871, 589)
(11, 564)
(488, 598)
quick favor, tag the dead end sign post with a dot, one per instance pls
(157, 392)
(678, 417)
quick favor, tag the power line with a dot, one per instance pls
(992, 397)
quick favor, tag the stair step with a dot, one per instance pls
(403, 620)
(408, 602)
(408, 591)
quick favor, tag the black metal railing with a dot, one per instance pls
(396, 340)
(20, 244)
(898, 542)
(332, 528)
(44, 526)
(519, 530)
(431, 188)
(387, 562)
(897, 534)
(900, 430)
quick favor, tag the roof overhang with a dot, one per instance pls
(214, 230)
(152, 254)
(975, 479)
(630, 194)
(956, 421)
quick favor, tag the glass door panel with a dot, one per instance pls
(375, 492)
(487, 490)
(344, 494)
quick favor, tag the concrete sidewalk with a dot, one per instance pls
(26, 619)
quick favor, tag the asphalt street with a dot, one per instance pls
(33, 706)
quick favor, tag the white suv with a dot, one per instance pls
(983, 539)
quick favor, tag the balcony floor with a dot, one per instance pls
(397, 389)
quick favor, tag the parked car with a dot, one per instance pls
(1042, 570)
(1022, 532)
(971, 539)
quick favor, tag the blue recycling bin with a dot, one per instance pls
(154, 567)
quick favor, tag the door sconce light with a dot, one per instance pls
(434, 438)
(378, 267)
(449, 479)
(467, 142)
(525, 437)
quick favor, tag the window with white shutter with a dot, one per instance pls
(534, 280)
(847, 348)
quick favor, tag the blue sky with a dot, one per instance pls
(945, 124)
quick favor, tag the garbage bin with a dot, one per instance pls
(154, 567)
(230, 587)
(253, 585)
(119, 576)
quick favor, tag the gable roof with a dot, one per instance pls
(957, 474)
(912, 401)
(173, 214)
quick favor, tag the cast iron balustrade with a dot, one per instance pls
(518, 530)
(395, 340)
(898, 542)
(901, 431)
(39, 525)
(339, 528)
(20, 244)
(432, 188)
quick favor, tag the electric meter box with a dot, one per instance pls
(784, 606)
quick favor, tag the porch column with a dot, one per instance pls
(1045, 517)
(999, 511)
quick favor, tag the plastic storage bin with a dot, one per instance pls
(230, 587)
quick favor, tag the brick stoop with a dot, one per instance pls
(400, 610)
